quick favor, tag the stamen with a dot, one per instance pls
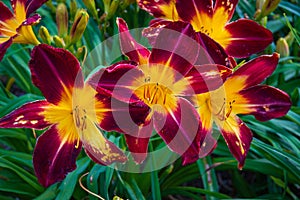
(154, 94)
(230, 108)
(221, 112)
(77, 118)
(77, 143)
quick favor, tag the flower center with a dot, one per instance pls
(154, 93)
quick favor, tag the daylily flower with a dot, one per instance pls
(161, 78)
(73, 111)
(241, 94)
(240, 38)
(16, 27)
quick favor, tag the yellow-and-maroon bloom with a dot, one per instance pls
(241, 94)
(73, 111)
(240, 38)
(16, 27)
(161, 79)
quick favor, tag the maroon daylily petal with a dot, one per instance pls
(33, 5)
(29, 115)
(32, 20)
(162, 9)
(180, 129)
(191, 9)
(54, 160)
(155, 26)
(253, 72)
(227, 6)
(5, 13)
(247, 38)
(138, 143)
(265, 102)
(116, 80)
(205, 78)
(238, 138)
(15, 6)
(176, 47)
(54, 71)
(212, 53)
(121, 116)
(135, 51)
(3, 47)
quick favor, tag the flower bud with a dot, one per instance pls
(73, 9)
(59, 42)
(79, 25)
(112, 9)
(106, 5)
(282, 47)
(44, 35)
(90, 5)
(290, 38)
(268, 7)
(62, 19)
(259, 4)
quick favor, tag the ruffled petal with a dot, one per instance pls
(55, 71)
(133, 50)
(237, 136)
(97, 147)
(252, 73)
(180, 128)
(29, 115)
(264, 102)
(203, 78)
(162, 9)
(54, 158)
(176, 47)
(246, 38)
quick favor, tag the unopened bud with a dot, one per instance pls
(90, 5)
(290, 38)
(269, 6)
(73, 9)
(106, 5)
(44, 35)
(62, 19)
(112, 9)
(282, 47)
(79, 25)
(59, 42)
(259, 4)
